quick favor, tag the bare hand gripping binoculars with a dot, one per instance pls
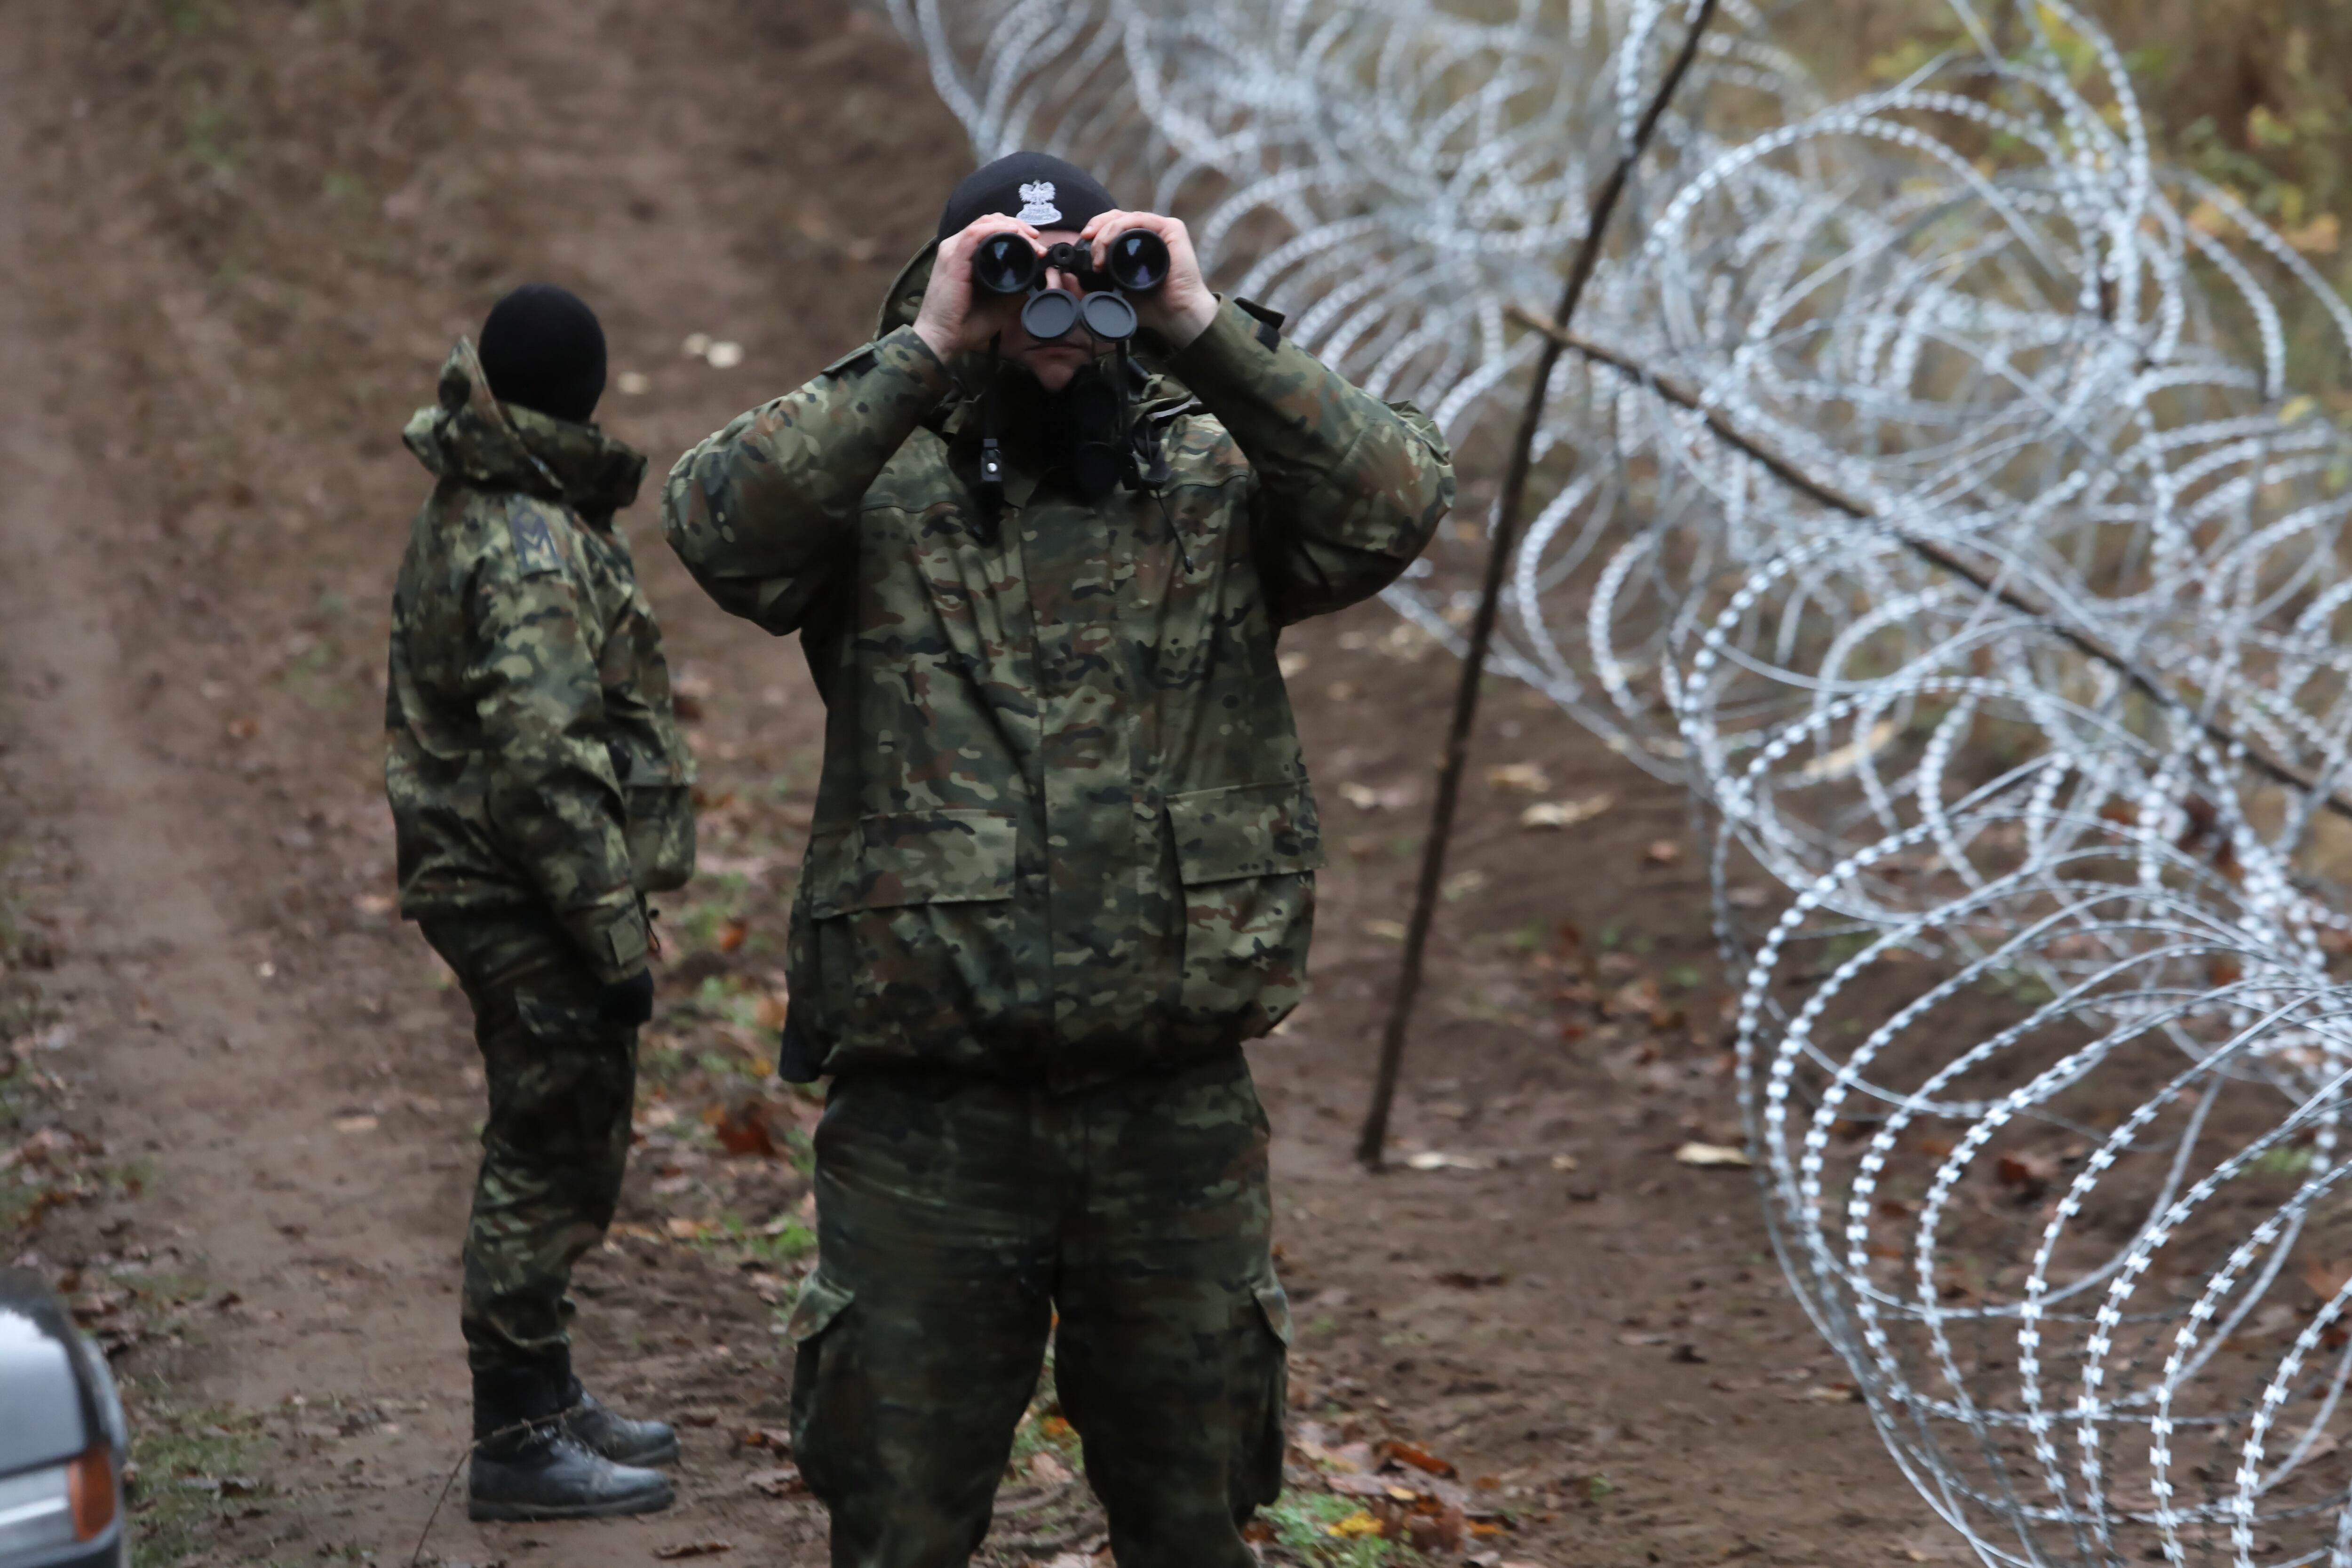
(1138, 263)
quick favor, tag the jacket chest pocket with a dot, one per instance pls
(1246, 855)
(910, 928)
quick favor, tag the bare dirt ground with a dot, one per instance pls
(237, 237)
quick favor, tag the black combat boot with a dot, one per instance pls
(614, 1436)
(527, 1466)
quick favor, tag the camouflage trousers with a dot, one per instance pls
(956, 1218)
(561, 1085)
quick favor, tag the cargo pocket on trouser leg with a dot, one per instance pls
(1262, 1387)
(821, 1425)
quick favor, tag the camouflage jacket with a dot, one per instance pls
(1063, 830)
(531, 755)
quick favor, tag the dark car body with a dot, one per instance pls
(63, 1440)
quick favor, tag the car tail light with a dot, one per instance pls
(89, 1483)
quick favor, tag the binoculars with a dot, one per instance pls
(1138, 263)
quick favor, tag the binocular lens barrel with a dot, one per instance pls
(1008, 263)
(1004, 264)
(1138, 261)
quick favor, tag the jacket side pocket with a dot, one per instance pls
(1246, 855)
(909, 929)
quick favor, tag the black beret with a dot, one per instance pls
(1036, 187)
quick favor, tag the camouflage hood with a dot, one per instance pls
(905, 301)
(473, 439)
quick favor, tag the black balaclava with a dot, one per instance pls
(543, 350)
(1038, 188)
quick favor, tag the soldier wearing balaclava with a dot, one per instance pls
(539, 791)
(1063, 858)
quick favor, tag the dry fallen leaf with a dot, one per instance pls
(1714, 1155)
(1462, 884)
(1662, 852)
(1460, 1281)
(2029, 1173)
(1833, 1393)
(1526, 777)
(1387, 931)
(743, 1131)
(1420, 1458)
(693, 1549)
(361, 1122)
(1436, 1159)
(1836, 765)
(1565, 812)
(2323, 235)
(731, 935)
(1047, 1470)
(784, 1480)
(1364, 797)
(2325, 1278)
(1563, 1162)
(1634, 999)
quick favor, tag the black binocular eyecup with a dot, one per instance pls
(1008, 264)
(1137, 263)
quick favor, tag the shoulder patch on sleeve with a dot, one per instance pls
(536, 552)
(1269, 322)
(857, 359)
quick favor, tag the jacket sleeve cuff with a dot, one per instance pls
(1230, 358)
(903, 356)
(611, 934)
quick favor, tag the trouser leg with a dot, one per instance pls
(555, 1144)
(919, 1341)
(1170, 1356)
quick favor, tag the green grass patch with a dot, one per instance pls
(2286, 1161)
(195, 1471)
(1317, 1528)
(777, 1243)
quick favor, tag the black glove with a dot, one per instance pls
(629, 1002)
(799, 1060)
